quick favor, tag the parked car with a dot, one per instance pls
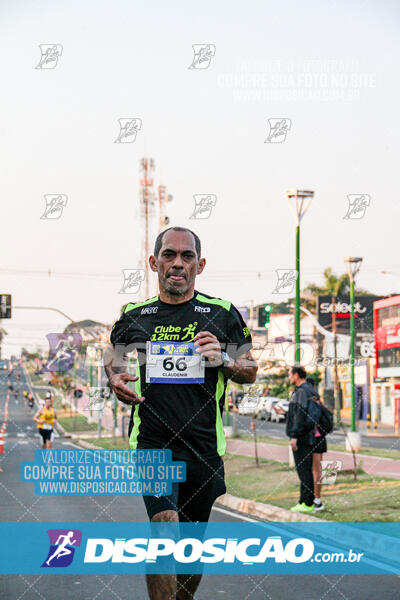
(262, 404)
(279, 411)
(248, 405)
(266, 404)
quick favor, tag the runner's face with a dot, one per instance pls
(177, 263)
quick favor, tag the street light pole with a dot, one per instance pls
(297, 301)
(353, 266)
(353, 389)
(299, 202)
(60, 312)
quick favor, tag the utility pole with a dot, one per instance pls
(338, 404)
(353, 265)
(146, 196)
(163, 198)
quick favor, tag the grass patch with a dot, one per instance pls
(77, 423)
(367, 499)
(109, 443)
(381, 452)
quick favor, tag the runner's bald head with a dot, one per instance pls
(159, 239)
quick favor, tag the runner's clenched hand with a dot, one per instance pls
(209, 347)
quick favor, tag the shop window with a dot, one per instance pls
(388, 401)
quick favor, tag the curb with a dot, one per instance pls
(265, 512)
(382, 435)
(62, 431)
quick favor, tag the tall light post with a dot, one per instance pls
(353, 267)
(299, 202)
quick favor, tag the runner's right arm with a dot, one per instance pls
(119, 378)
(36, 417)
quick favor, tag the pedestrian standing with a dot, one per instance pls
(300, 431)
(319, 448)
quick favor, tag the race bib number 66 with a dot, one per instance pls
(173, 362)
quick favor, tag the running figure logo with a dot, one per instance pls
(358, 204)
(62, 547)
(63, 348)
(203, 54)
(128, 129)
(203, 205)
(132, 280)
(286, 281)
(50, 53)
(55, 203)
(190, 329)
(278, 129)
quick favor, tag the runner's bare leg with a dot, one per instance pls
(187, 585)
(162, 587)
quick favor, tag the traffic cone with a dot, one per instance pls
(1, 444)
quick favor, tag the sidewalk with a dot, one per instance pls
(373, 465)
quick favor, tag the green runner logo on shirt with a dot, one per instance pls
(168, 333)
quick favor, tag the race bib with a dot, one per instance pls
(173, 362)
(47, 426)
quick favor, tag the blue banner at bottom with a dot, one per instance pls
(224, 548)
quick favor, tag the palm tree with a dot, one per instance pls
(333, 286)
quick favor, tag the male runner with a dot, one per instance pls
(45, 418)
(169, 412)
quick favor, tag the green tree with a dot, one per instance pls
(333, 286)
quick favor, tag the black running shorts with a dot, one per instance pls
(193, 498)
(319, 446)
(46, 434)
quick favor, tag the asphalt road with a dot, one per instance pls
(19, 503)
(277, 430)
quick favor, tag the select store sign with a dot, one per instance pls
(363, 320)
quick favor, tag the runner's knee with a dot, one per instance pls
(165, 516)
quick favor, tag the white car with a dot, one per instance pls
(279, 410)
(262, 405)
(266, 404)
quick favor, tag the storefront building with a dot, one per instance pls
(385, 393)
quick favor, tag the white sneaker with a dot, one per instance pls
(318, 506)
